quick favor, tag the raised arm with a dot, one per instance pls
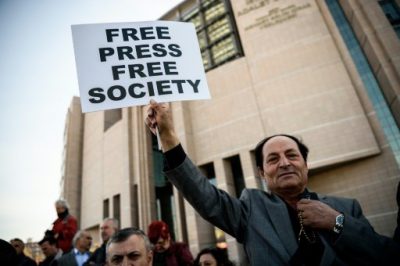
(159, 118)
(213, 204)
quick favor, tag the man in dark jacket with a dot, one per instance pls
(19, 247)
(50, 250)
(108, 229)
(288, 225)
(80, 254)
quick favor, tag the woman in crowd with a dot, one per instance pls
(213, 257)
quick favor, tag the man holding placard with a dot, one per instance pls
(289, 225)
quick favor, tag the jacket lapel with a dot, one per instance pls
(329, 255)
(280, 220)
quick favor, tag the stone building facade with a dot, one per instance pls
(327, 71)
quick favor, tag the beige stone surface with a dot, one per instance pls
(296, 77)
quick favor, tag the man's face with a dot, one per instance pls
(19, 247)
(84, 242)
(48, 249)
(162, 244)
(131, 252)
(284, 167)
(107, 230)
(60, 209)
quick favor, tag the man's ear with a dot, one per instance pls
(260, 171)
(262, 175)
(150, 257)
(308, 169)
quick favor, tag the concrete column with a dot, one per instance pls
(225, 182)
(251, 178)
(142, 165)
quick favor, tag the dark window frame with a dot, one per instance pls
(106, 208)
(117, 207)
(207, 50)
(394, 21)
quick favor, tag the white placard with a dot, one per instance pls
(127, 64)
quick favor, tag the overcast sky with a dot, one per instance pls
(37, 82)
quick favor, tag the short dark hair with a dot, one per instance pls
(124, 234)
(259, 147)
(52, 241)
(220, 255)
(17, 240)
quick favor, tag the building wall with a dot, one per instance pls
(381, 45)
(297, 77)
(72, 158)
(106, 170)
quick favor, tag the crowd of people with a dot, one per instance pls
(287, 225)
(65, 245)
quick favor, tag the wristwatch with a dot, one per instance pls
(339, 223)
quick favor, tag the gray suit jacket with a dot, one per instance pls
(261, 222)
(67, 259)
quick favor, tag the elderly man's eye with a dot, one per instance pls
(133, 256)
(116, 260)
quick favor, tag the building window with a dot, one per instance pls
(392, 12)
(117, 207)
(236, 173)
(385, 117)
(216, 31)
(158, 163)
(260, 181)
(163, 189)
(209, 172)
(106, 208)
(111, 117)
(135, 205)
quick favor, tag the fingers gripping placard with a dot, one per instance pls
(127, 64)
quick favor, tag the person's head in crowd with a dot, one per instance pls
(129, 246)
(18, 245)
(62, 208)
(49, 246)
(8, 254)
(159, 236)
(108, 228)
(212, 257)
(82, 241)
(283, 156)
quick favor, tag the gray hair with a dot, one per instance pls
(114, 221)
(62, 202)
(77, 236)
(125, 233)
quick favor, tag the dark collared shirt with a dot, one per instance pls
(307, 253)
